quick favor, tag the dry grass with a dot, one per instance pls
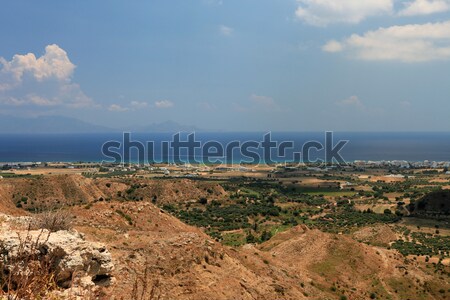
(144, 288)
(28, 273)
(54, 221)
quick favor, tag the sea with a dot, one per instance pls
(368, 146)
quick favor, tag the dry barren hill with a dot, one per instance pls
(161, 191)
(339, 263)
(45, 192)
(160, 257)
(184, 263)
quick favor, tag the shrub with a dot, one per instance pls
(250, 238)
(54, 221)
(265, 236)
(125, 216)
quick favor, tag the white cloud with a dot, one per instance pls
(407, 43)
(54, 64)
(351, 101)
(40, 101)
(424, 7)
(117, 108)
(138, 105)
(73, 96)
(324, 12)
(225, 30)
(11, 101)
(332, 46)
(133, 106)
(40, 81)
(164, 104)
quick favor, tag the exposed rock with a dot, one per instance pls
(73, 259)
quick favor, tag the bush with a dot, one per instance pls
(250, 238)
(265, 236)
(54, 221)
(125, 216)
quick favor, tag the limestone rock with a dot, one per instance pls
(74, 260)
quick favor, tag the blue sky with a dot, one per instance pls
(236, 65)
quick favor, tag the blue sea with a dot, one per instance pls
(361, 146)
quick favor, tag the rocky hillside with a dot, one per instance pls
(156, 256)
(184, 263)
(49, 192)
(38, 262)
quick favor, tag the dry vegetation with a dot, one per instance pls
(53, 220)
(157, 256)
(27, 274)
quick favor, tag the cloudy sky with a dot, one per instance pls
(238, 65)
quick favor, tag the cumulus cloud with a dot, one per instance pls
(325, 12)
(117, 108)
(40, 81)
(164, 104)
(424, 7)
(53, 64)
(408, 43)
(225, 30)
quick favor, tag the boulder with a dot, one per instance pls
(71, 257)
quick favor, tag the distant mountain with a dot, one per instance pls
(60, 124)
(47, 124)
(168, 126)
